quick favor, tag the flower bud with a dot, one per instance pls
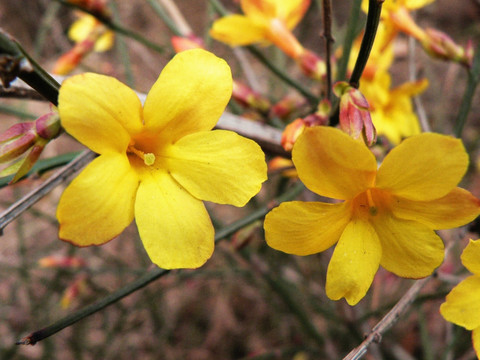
(442, 46)
(355, 117)
(62, 262)
(287, 105)
(182, 43)
(249, 98)
(312, 65)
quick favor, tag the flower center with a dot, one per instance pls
(148, 158)
(371, 202)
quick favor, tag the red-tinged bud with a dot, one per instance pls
(28, 137)
(182, 43)
(312, 65)
(355, 117)
(322, 116)
(96, 7)
(48, 126)
(63, 262)
(245, 236)
(442, 46)
(285, 166)
(16, 141)
(289, 104)
(77, 288)
(292, 132)
(249, 98)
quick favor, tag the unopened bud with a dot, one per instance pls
(63, 262)
(355, 117)
(182, 43)
(442, 46)
(312, 65)
(287, 105)
(249, 98)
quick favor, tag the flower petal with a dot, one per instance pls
(471, 257)
(409, 248)
(463, 304)
(476, 341)
(332, 164)
(99, 111)
(457, 208)
(423, 167)
(98, 204)
(189, 96)
(292, 11)
(260, 10)
(219, 166)
(305, 228)
(238, 30)
(175, 228)
(354, 262)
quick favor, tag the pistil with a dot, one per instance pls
(148, 158)
(372, 208)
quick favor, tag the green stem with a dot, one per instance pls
(118, 28)
(350, 35)
(26, 69)
(160, 11)
(149, 277)
(373, 18)
(472, 83)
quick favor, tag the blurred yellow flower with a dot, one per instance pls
(462, 306)
(82, 28)
(388, 215)
(157, 163)
(265, 21)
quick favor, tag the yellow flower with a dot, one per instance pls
(85, 26)
(157, 163)
(265, 21)
(387, 216)
(391, 109)
(462, 306)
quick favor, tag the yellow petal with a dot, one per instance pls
(105, 42)
(354, 263)
(332, 164)
(416, 4)
(476, 341)
(409, 248)
(238, 30)
(462, 306)
(305, 228)
(292, 11)
(98, 204)
(260, 10)
(219, 166)
(175, 228)
(82, 27)
(423, 167)
(189, 96)
(471, 257)
(457, 208)
(99, 111)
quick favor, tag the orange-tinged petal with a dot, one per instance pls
(457, 208)
(416, 4)
(423, 167)
(354, 262)
(219, 166)
(260, 10)
(175, 228)
(99, 111)
(98, 204)
(238, 30)
(305, 228)
(409, 248)
(292, 11)
(476, 341)
(462, 306)
(189, 96)
(332, 164)
(471, 257)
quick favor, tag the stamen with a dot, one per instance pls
(148, 158)
(373, 209)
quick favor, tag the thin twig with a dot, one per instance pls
(329, 40)
(388, 320)
(412, 76)
(35, 195)
(176, 16)
(150, 276)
